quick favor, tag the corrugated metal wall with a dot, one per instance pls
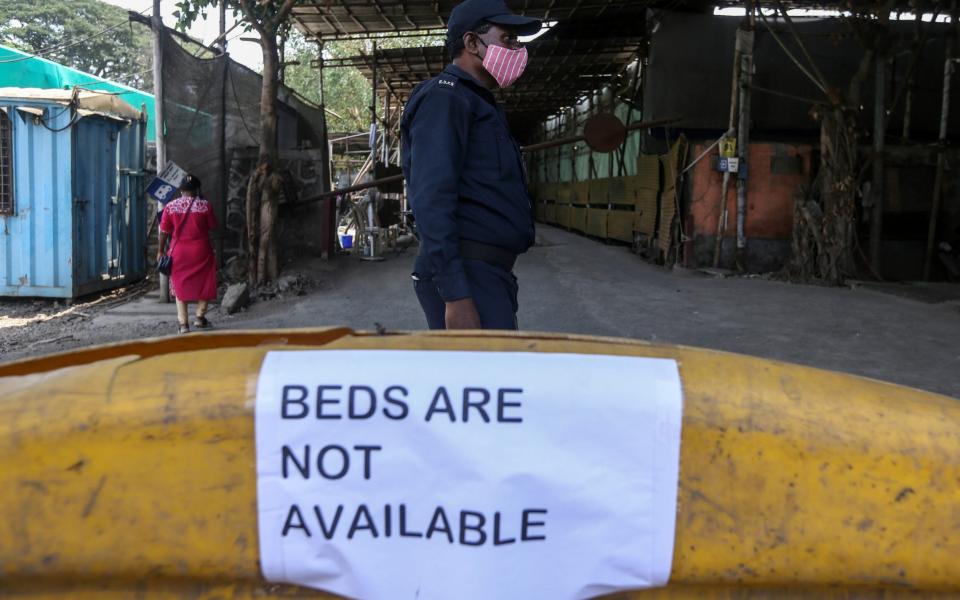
(133, 215)
(79, 219)
(109, 235)
(36, 241)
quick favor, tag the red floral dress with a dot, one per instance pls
(194, 275)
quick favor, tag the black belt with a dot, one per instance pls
(494, 255)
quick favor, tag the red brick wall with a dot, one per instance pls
(770, 196)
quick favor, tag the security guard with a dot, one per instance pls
(466, 179)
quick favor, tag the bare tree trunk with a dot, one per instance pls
(268, 263)
(254, 192)
(825, 220)
(268, 101)
(838, 147)
(824, 231)
(264, 188)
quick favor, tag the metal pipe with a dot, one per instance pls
(359, 187)
(908, 113)
(156, 24)
(373, 108)
(613, 110)
(707, 151)
(909, 82)
(734, 96)
(372, 253)
(559, 151)
(743, 143)
(813, 78)
(349, 137)
(385, 142)
(941, 161)
(222, 142)
(221, 40)
(803, 47)
(757, 88)
(371, 239)
(879, 134)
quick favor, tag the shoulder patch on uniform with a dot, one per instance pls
(448, 83)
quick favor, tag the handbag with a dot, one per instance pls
(165, 264)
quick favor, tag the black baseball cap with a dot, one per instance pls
(470, 13)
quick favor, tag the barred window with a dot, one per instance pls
(6, 164)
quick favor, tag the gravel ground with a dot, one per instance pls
(31, 326)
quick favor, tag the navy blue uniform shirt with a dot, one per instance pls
(465, 177)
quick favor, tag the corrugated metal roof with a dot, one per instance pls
(591, 43)
(331, 19)
(337, 19)
(566, 62)
(87, 102)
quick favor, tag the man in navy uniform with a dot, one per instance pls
(466, 179)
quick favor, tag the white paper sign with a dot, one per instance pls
(467, 475)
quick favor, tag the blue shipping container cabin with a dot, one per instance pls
(72, 207)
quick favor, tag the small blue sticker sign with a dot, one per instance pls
(164, 186)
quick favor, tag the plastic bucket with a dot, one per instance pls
(346, 242)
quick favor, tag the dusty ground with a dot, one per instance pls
(34, 326)
(572, 284)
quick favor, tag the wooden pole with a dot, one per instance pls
(284, 32)
(371, 207)
(373, 110)
(909, 83)
(222, 40)
(157, 26)
(734, 98)
(743, 133)
(384, 145)
(941, 161)
(879, 133)
(222, 126)
(320, 68)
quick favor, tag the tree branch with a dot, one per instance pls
(252, 18)
(281, 15)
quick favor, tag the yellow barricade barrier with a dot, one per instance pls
(129, 471)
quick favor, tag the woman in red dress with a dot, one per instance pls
(187, 223)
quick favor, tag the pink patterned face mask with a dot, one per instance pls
(504, 64)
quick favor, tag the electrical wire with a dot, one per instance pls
(46, 51)
(235, 36)
(52, 118)
(73, 121)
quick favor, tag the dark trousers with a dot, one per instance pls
(494, 294)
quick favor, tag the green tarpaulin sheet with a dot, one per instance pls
(35, 72)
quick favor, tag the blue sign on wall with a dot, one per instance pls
(165, 185)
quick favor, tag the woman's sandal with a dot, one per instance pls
(201, 323)
(184, 328)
